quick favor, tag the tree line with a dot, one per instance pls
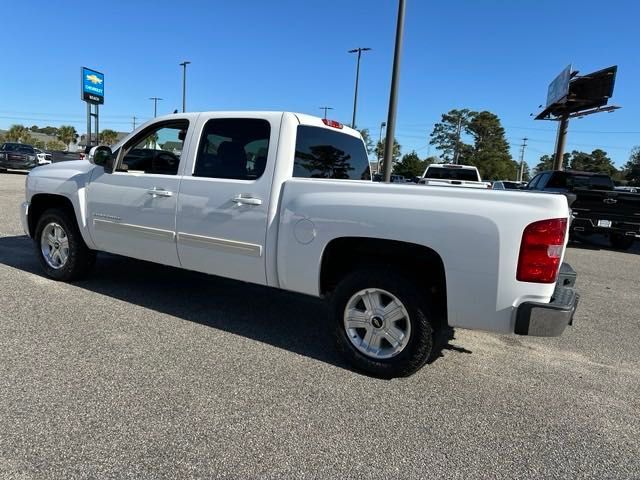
(65, 135)
(478, 138)
(597, 161)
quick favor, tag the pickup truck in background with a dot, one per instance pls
(450, 175)
(598, 207)
(286, 200)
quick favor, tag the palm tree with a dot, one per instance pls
(67, 134)
(108, 137)
(15, 132)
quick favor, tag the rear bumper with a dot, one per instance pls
(550, 319)
(590, 225)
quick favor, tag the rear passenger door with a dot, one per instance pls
(223, 205)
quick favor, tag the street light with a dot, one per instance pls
(155, 105)
(184, 85)
(359, 51)
(325, 110)
(393, 96)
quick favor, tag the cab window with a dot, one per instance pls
(157, 150)
(233, 148)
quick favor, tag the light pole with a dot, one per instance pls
(382, 125)
(155, 105)
(359, 51)
(325, 110)
(393, 96)
(184, 85)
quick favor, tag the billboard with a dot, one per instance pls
(559, 88)
(92, 86)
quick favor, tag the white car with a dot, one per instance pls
(285, 200)
(451, 175)
(44, 158)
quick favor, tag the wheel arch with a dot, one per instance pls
(419, 263)
(41, 202)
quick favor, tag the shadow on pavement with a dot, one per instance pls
(286, 320)
(600, 242)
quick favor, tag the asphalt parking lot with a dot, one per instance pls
(143, 371)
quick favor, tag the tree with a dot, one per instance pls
(631, 169)
(108, 137)
(546, 163)
(56, 145)
(491, 150)
(410, 166)
(14, 133)
(38, 144)
(447, 134)
(27, 138)
(366, 137)
(380, 150)
(597, 161)
(67, 134)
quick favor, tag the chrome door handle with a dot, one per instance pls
(241, 200)
(159, 192)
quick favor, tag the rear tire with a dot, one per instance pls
(60, 248)
(621, 242)
(381, 323)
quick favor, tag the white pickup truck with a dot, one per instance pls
(285, 200)
(450, 175)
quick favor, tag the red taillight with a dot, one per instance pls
(331, 123)
(540, 251)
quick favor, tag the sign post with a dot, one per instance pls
(92, 93)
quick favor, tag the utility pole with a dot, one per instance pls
(134, 122)
(382, 125)
(393, 96)
(563, 126)
(325, 111)
(184, 85)
(522, 147)
(359, 51)
(456, 152)
(155, 105)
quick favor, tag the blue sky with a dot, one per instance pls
(292, 55)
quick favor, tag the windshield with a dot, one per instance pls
(444, 173)
(17, 147)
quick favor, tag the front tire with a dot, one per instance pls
(621, 242)
(60, 248)
(381, 323)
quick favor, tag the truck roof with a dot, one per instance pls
(303, 118)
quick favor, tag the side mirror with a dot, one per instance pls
(103, 156)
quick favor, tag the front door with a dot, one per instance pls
(223, 206)
(132, 210)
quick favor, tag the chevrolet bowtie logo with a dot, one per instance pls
(610, 201)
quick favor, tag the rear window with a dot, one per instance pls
(323, 153)
(594, 182)
(444, 173)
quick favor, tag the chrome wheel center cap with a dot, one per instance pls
(377, 321)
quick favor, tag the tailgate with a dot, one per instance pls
(612, 205)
